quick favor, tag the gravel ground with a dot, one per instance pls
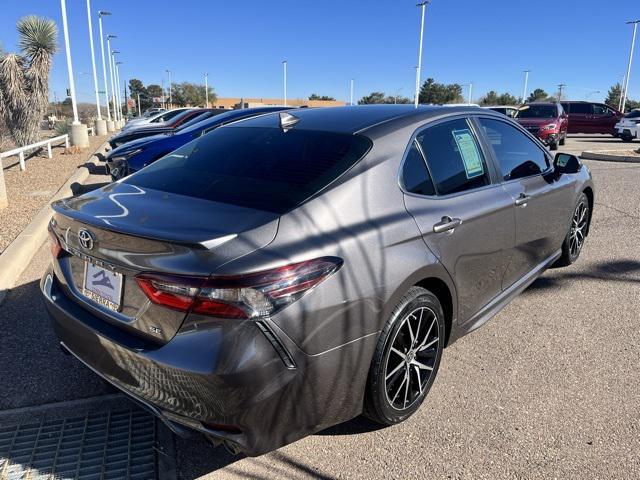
(32, 189)
(549, 388)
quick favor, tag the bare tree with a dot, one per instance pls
(24, 79)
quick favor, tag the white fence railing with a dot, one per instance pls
(48, 142)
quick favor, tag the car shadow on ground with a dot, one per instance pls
(613, 271)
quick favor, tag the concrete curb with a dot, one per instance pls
(609, 157)
(18, 254)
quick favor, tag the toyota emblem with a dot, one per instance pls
(86, 239)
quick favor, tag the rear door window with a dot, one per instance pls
(415, 176)
(517, 155)
(581, 108)
(255, 167)
(454, 157)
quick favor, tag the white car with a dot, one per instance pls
(627, 128)
(508, 110)
(156, 119)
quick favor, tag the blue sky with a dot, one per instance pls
(582, 43)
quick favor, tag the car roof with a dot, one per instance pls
(354, 119)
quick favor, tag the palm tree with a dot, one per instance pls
(24, 79)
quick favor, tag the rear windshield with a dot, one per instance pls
(262, 168)
(538, 111)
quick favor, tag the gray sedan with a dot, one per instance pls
(292, 271)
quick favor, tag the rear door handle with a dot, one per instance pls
(446, 223)
(522, 200)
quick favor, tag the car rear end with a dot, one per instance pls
(134, 294)
(627, 127)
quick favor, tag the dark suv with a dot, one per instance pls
(545, 120)
(589, 117)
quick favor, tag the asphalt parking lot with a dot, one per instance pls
(548, 389)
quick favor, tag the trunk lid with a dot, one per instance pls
(134, 230)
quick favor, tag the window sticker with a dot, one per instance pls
(469, 152)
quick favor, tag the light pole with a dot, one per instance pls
(118, 77)
(139, 109)
(79, 134)
(206, 89)
(351, 92)
(526, 81)
(100, 124)
(422, 6)
(110, 126)
(113, 89)
(470, 92)
(284, 65)
(626, 82)
(170, 96)
(621, 92)
(116, 86)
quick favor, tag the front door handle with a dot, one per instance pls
(446, 223)
(522, 200)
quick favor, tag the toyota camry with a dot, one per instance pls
(291, 271)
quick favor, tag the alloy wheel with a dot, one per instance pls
(578, 228)
(411, 360)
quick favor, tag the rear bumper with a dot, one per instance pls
(230, 381)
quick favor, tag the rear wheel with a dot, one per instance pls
(626, 138)
(406, 359)
(574, 241)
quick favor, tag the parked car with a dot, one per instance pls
(187, 118)
(154, 119)
(289, 272)
(153, 111)
(137, 154)
(590, 117)
(545, 120)
(627, 128)
(508, 110)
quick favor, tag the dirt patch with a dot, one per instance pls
(32, 189)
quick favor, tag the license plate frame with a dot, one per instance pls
(101, 288)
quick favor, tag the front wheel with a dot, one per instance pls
(574, 241)
(553, 146)
(563, 140)
(626, 138)
(406, 359)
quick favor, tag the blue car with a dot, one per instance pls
(137, 154)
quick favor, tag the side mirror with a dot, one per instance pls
(566, 163)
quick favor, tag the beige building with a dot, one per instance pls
(233, 102)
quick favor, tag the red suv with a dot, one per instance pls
(545, 120)
(589, 117)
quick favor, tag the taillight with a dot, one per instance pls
(253, 295)
(54, 243)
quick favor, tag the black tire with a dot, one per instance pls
(553, 146)
(626, 138)
(562, 140)
(424, 352)
(570, 248)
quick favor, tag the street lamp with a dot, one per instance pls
(116, 86)
(284, 64)
(110, 126)
(206, 89)
(351, 93)
(118, 77)
(633, 43)
(422, 6)
(100, 125)
(79, 134)
(526, 81)
(169, 76)
(113, 90)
